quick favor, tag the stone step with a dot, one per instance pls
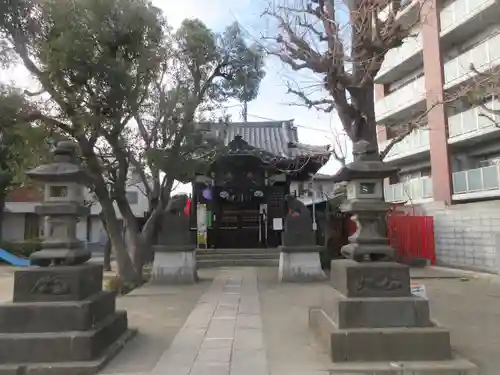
(237, 263)
(38, 317)
(376, 312)
(237, 251)
(380, 344)
(70, 368)
(62, 346)
(455, 366)
(237, 256)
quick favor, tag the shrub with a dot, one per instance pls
(23, 248)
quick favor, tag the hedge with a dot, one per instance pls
(23, 249)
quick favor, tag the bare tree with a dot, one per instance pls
(347, 54)
(485, 84)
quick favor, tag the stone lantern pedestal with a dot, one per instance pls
(370, 315)
(60, 321)
(175, 253)
(299, 254)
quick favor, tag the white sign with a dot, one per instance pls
(201, 221)
(418, 290)
(277, 223)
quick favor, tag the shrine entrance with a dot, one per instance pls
(239, 226)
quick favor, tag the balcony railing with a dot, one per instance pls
(476, 180)
(471, 121)
(484, 56)
(401, 98)
(460, 11)
(417, 141)
(412, 190)
(397, 56)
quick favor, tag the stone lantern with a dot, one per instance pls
(60, 321)
(63, 205)
(365, 202)
(370, 314)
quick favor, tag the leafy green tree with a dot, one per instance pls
(246, 81)
(22, 145)
(201, 72)
(101, 64)
(94, 61)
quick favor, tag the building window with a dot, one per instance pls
(132, 197)
(301, 190)
(405, 81)
(489, 160)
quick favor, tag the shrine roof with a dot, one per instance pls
(279, 138)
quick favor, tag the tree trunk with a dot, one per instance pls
(133, 234)
(107, 255)
(363, 101)
(107, 247)
(149, 229)
(126, 270)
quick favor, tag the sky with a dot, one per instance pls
(273, 102)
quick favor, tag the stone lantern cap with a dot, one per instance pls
(366, 165)
(65, 167)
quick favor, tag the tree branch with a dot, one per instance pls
(313, 103)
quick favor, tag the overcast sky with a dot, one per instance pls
(273, 102)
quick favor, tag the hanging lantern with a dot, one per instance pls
(207, 194)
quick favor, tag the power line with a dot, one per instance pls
(299, 126)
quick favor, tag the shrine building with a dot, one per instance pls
(238, 200)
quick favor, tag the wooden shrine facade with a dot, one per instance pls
(240, 201)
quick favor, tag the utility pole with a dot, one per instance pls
(245, 100)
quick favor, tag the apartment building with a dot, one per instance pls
(317, 190)
(450, 167)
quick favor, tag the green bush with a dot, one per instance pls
(23, 249)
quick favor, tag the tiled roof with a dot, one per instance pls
(279, 138)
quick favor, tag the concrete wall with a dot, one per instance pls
(13, 227)
(14, 224)
(465, 234)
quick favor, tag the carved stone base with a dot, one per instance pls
(58, 283)
(300, 265)
(60, 322)
(34, 317)
(380, 344)
(174, 266)
(370, 279)
(371, 316)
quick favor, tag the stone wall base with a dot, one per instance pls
(300, 267)
(178, 267)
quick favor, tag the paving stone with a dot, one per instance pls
(223, 333)
(216, 343)
(249, 321)
(226, 311)
(222, 354)
(246, 339)
(208, 368)
(221, 328)
(249, 362)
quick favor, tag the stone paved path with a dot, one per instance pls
(223, 334)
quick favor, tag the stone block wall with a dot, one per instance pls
(465, 234)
